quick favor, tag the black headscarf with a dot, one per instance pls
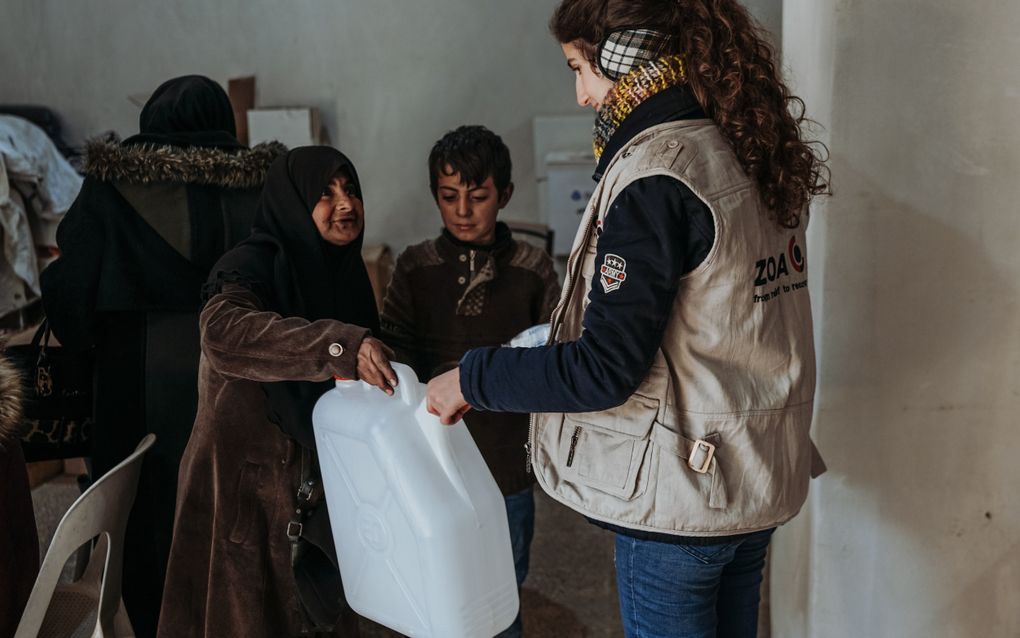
(191, 110)
(295, 272)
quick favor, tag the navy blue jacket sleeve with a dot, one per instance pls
(662, 231)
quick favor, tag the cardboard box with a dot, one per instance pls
(380, 263)
(242, 99)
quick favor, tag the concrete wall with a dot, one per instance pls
(390, 76)
(915, 531)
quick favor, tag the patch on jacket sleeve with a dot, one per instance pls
(613, 272)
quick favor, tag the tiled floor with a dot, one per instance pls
(570, 591)
(50, 500)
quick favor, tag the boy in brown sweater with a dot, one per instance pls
(474, 286)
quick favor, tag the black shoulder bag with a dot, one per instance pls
(58, 398)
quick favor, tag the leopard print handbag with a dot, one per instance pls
(58, 389)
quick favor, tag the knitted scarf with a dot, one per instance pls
(633, 89)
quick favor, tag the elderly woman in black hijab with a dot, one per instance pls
(154, 214)
(288, 310)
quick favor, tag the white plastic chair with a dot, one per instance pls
(61, 611)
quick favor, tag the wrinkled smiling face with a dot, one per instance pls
(339, 214)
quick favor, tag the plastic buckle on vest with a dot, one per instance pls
(709, 450)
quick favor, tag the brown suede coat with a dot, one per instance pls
(230, 571)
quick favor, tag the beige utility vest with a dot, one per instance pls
(715, 440)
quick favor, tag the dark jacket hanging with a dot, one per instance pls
(153, 216)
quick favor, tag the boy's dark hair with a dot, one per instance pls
(476, 153)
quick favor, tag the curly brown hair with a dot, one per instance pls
(732, 72)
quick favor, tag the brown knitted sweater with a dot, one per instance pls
(447, 297)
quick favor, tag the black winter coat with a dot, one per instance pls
(136, 247)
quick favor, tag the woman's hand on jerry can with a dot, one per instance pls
(445, 399)
(374, 365)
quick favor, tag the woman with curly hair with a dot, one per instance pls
(674, 399)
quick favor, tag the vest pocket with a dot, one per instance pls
(612, 456)
(702, 475)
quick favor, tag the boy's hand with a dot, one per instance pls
(445, 399)
(374, 365)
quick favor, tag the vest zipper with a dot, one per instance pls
(574, 438)
(568, 290)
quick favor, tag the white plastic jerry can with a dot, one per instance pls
(420, 526)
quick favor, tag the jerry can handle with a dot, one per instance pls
(438, 437)
(408, 387)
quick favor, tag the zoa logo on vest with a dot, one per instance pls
(772, 268)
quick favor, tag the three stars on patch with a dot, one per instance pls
(613, 272)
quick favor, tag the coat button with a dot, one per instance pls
(335, 349)
(672, 144)
(463, 257)
(461, 280)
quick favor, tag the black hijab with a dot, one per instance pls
(295, 272)
(191, 110)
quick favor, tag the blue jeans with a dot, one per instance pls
(520, 513)
(690, 591)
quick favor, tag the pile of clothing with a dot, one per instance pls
(37, 186)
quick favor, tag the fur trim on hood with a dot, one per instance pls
(146, 163)
(11, 397)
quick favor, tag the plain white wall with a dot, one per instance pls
(390, 76)
(915, 530)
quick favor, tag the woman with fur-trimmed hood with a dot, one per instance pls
(153, 216)
(19, 543)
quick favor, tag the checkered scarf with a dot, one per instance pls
(625, 49)
(630, 91)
